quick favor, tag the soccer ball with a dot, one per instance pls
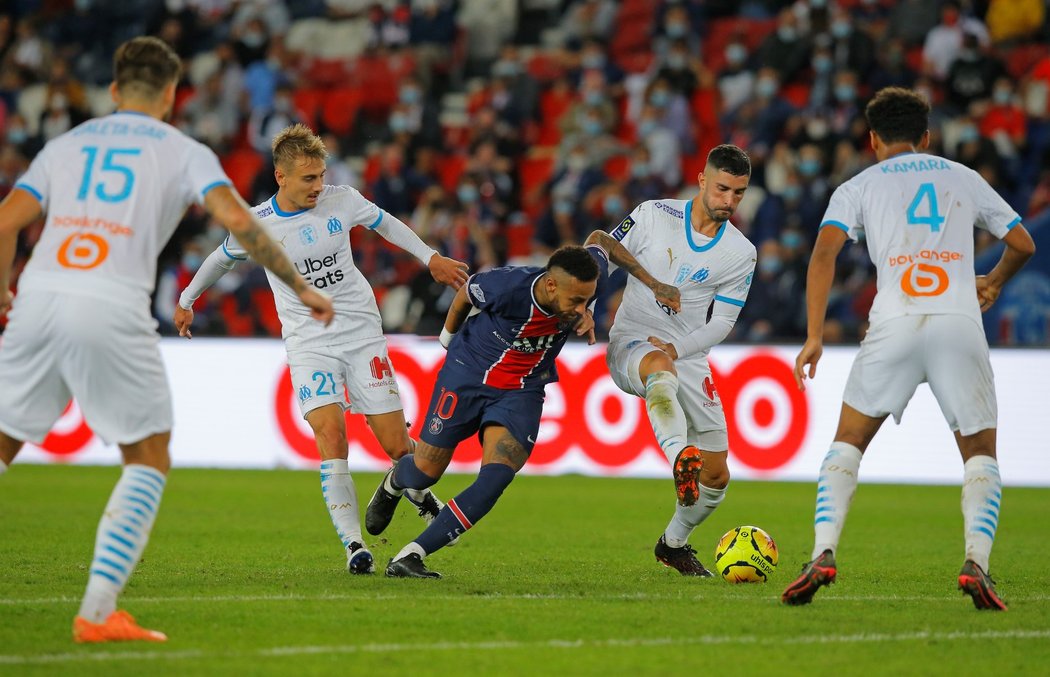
(746, 555)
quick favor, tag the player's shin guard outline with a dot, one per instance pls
(665, 413)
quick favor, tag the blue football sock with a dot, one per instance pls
(407, 476)
(464, 511)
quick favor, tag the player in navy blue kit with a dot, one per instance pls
(492, 383)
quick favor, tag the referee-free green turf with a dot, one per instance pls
(245, 574)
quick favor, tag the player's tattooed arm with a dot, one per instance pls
(666, 294)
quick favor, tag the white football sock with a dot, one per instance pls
(340, 497)
(3, 467)
(982, 493)
(409, 549)
(122, 535)
(688, 518)
(835, 488)
(665, 413)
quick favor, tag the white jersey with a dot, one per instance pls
(114, 189)
(317, 241)
(917, 213)
(705, 269)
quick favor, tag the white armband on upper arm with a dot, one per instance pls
(212, 269)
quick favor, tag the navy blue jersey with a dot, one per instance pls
(511, 344)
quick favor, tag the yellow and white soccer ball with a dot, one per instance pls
(746, 555)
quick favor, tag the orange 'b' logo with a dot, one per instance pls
(83, 251)
(922, 279)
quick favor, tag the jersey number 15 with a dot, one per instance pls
(118, 178)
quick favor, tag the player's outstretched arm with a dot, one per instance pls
(231, 211)
(17, 211)
(445, 270)
(819, 277)
(211, 271)
(666, 294)
(1019, 248)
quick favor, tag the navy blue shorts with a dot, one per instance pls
(461, 406)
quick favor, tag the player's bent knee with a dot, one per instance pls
(151, 451)
(655, 362)
(715, 473)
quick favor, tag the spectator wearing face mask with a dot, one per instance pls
(567, 188)
(774, 304)
(787, 49)
(851, 46)
(680, 68)
(736, 81)
(673, 109)
(594, 56)
(891, 69)
(662, 145)
(643, 184)
(676, 25)
(1004, 120)
(265, 122)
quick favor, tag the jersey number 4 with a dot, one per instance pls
(118, 178)
(925, 200)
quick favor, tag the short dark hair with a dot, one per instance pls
(575, 261)
(144, 66)
(898, 115)
(731, 159)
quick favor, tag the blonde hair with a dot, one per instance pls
(294, 142)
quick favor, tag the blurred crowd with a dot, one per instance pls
(501, 129)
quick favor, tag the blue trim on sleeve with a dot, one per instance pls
(379, 219)
(1013, 223)
(216, 184)
(689, 231)
(733, 302)
(227, 253)
(40, 198)
(280, 212)
(838, 224)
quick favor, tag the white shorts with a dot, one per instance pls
(696, 392)
(948, 351)
(103, 353)
(361, 371)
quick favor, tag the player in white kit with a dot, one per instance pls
(313, 221)
(113, 190)
(659, 352)
(917, 213)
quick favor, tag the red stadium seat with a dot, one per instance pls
(241, 166)
(450, 168)
(308, 101)
(532, 173)
(339, 109)
(266, 311)
(237, 324)
(618, 167)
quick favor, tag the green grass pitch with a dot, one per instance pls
(245, 574)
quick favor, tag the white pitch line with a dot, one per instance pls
(636, 642)
(497, 597)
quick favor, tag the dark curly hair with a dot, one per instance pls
(575, 261)
(898, 115)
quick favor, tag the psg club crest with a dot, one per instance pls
(435, 426)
